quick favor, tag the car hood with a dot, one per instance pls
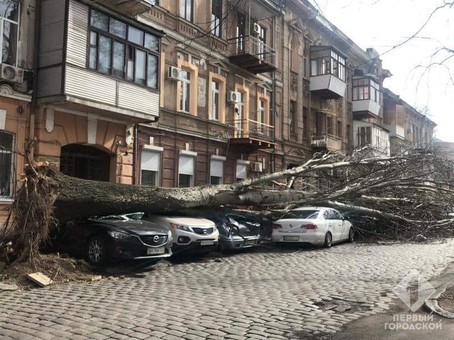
(189, 221)
(137, 226)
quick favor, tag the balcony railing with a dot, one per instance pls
(252, 54)
(326, 141)
(128, 7)
(249, 131)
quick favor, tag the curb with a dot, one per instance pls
(433, 306)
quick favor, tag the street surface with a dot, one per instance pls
(289, 293)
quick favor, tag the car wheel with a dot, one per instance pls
(328, 240)
(96, 251)
(351, 235)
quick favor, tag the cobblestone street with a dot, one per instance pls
(267, 293)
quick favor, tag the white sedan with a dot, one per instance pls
(315, 225)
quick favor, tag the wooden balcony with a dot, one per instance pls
(252, 54)
(252, 134)
(326, 142)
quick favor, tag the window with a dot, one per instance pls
(123, 51)
(9, 11)
(366, 89)
(326, 61)
(186, 169)
(186, 9)
(364, 135)
(241, 169)
(293, 120)
(6, 164)
(217, 97)
(306, 130)
(217, 170)
(185, 98)
(216, 17)
(150, 166)
(215, 102)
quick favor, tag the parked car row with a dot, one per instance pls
(148, 236)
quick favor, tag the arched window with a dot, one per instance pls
(6, 164)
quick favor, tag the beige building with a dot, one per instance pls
(184, 92)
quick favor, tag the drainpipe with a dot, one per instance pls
(135, 158)
(34, 105)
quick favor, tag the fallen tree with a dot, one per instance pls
(398, 196)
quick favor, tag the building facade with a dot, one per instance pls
(187, 92)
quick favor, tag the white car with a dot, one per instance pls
(315, 225)
(189, 233)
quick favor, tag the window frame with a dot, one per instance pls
(221, 94)
(365, 89)
(10, 185)
(186, 9)
(193, 87)
(16, 24)
(131, 50)
(328, 61)
(157, 155)
(189, 155)
(216, 18)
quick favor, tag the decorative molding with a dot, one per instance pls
(50, 119)
(7, 91)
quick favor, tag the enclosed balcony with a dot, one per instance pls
(128, 7)
(326, 142)
(396, 131)
(327, 73)
(250, 133)
(252, 54)
(366, 98)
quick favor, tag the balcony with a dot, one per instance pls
(365, 109)
(128, 7)
(396, 131)
(252, 54)
(248, 132)
(326, 142)
(327, 86)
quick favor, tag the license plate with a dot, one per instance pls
(207, 243)
(153, 251)
(291, 238)
(249, 242)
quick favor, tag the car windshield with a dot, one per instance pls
(304, 214)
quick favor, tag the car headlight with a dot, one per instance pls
(181, 227)
(118, 234)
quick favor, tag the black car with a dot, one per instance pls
(116, 237)
(235, 231)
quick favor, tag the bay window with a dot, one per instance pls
(366, 89)
(327, 61)
(123, 51)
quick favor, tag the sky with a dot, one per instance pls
(422, 71)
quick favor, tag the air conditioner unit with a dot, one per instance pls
(256, 28)
(257, 166)
(12, 73)
(174, 73)
(233, 97)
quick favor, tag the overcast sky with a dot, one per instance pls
(383, 24)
